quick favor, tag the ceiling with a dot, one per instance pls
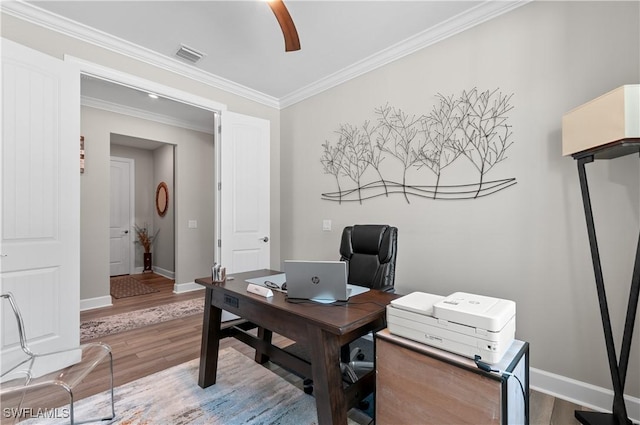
(243, 44)
(121, 99)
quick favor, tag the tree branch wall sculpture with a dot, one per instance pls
(473, 125)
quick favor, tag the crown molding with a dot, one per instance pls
(46, 19)
(139, 113)
(483, 12)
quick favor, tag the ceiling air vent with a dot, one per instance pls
(189, 54)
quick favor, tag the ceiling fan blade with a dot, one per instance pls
(291, 40)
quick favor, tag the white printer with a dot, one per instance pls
(462, 323)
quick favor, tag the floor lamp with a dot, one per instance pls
(606, 128)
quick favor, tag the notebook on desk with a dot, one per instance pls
(319, 280)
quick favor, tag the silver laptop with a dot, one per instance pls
(317, 280)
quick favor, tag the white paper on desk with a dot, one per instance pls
(278, 279)
(354, 290)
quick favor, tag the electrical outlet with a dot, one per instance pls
(326, 225)
(193, 224)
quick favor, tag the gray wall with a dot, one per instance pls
(527, 243)
(165, 242)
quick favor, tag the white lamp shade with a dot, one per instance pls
(612, 117)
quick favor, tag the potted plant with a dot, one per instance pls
(146, 241)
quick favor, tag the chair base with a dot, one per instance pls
(113, 406)
(72, 366)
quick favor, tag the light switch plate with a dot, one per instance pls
(193, 224)
(326, 225)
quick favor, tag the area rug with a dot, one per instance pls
(103, 326)
(245, 393)
(126, 286)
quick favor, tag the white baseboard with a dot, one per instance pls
(91, 303)
(166, 273)
(162, 272)
(179, 288)
(587, 395)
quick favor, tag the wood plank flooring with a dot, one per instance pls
(141, 352)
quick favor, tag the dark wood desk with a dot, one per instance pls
(322, 328)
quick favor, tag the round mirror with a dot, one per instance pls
(162, 199)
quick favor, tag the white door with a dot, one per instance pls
(119, 216)
(40, 199)
(244, 193)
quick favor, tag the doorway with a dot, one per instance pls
(198, 161)
(114, 129)
(153, 164)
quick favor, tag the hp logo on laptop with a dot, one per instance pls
(315, 280)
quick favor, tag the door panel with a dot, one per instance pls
(245, 193)
(120, 218)
(40, 195)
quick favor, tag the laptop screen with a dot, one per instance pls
(316, 280)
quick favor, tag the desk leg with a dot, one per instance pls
(265, 335)
(210, 345)
(327, 379)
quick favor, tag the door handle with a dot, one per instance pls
(265, 239)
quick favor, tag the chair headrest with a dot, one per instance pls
(372, 239)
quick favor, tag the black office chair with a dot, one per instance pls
(370, 252)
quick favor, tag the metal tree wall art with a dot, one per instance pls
(485, 134)
(441, 144)
(472, 126)
(398, 136)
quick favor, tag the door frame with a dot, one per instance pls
(138, 83)
(132, 208)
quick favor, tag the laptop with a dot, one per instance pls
(317, 280)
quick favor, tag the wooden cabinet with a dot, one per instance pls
(420, 384)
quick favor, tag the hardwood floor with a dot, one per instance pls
(147, 350)
(141, 352)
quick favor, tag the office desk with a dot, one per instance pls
(322, 328)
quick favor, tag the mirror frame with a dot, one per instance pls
(162, 199)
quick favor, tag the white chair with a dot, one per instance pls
(22, 378)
